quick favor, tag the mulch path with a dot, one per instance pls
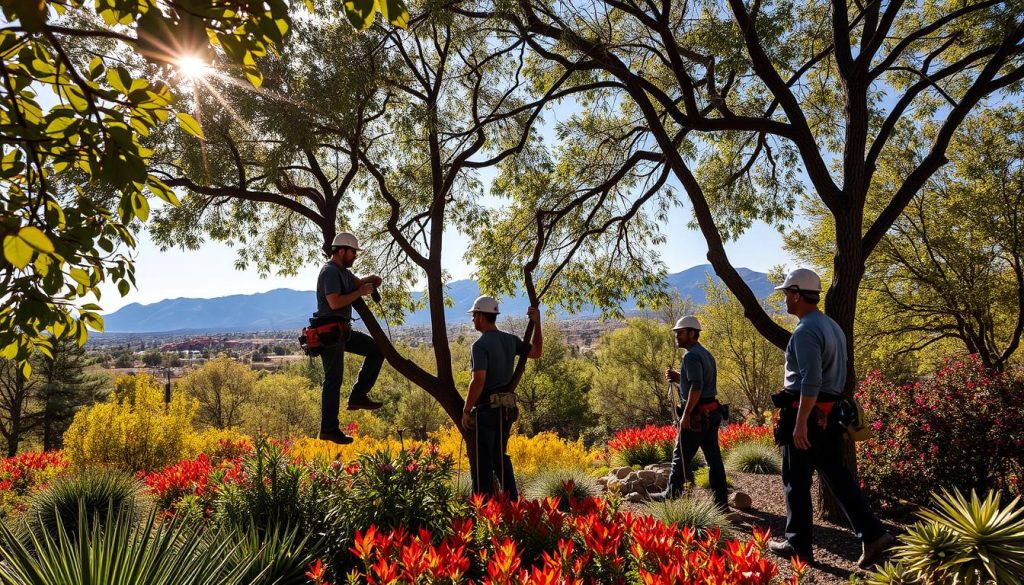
(836, 549)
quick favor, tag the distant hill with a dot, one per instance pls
(283, 308)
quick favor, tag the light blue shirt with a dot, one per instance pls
(698, 373)
(816, 356)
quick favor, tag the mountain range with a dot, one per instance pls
(283, 309)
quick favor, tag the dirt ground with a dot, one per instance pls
(836, 549)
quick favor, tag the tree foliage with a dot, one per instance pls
(223, 388)
(631, 390)
(750, 368)
(73, 173)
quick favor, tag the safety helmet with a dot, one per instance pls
(687, 322)
(484, 304)
(346, 240)
(802, 279)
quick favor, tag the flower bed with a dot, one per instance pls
(534, 542)
(25, 473)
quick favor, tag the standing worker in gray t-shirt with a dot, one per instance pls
(701, 417)
(491, 407)
(336, 289)
(810, 437)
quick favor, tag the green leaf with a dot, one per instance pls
(360, 12)
(26, 369)
(80, 276)
(140, 206)
(395, 12)
(190, 125)
(35, 237)
(18, 248)
(123, 287)
(161, 190)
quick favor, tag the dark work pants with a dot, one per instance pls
(333, 359)
(706, 439)
(493, 426)
(798, 465)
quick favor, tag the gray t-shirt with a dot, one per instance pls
(495, 353)
(334, 279)
(698, 372)
(816, 356)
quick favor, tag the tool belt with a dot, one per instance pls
(322, 334)
(499, 400)
(820, 421)
(703, 410)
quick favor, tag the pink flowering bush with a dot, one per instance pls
(961, 428)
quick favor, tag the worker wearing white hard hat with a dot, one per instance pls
(807, 431)
(336, 289)
(700, 415)
(490, 405)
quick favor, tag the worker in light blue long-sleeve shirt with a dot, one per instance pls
(810, 437)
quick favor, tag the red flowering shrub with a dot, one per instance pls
(737, 433)
(651, 444)
(590, 544)
(961, 428)
(25, 473)
(195, 481)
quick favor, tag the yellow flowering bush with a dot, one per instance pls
(530, 455)
(136, 432)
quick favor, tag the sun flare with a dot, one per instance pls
(192, 67)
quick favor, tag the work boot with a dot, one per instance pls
(787, 551)
(875, 550)
(363, 403)
(335, 436)
(669, 493)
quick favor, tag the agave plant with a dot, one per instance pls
(700, 514)
(892, 574)
(121, 550)
(562, 483)
(970, 542)
(755, 457)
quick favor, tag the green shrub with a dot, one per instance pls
(963, 542)
(702, 478)
(125, 551)
(561, 483)
(269, 495)
(754, 457)
(700, 514)
(93, 492)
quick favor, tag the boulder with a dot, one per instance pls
(740, 501)
(635, 497)
(647, 476)
(621, 472)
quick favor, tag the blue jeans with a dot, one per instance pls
(333, 358)
(706, 439)
(493, 426)
(826, 456)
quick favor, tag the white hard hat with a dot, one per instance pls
(484, 304)
(346, 240)
(687, 322)
(802, 279)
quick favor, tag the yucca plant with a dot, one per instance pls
(561, 483)
(276, 556)
(754, 457)
(698, 513)
(97, 491)
(970, 542)
(121, 550)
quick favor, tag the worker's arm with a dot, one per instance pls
(476, 387)
(800, 439)
(338, 301)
